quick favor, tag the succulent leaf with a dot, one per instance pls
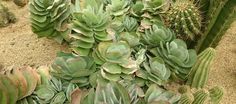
(49, 18)
(176, 56)
(72, 68)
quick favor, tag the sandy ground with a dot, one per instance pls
(19, 46)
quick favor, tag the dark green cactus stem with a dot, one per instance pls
(200, 97)
(200, 71)
(185, 19)
(224, 13)
(216, 94)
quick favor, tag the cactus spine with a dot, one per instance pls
(199, 72)
(185, 18)
(222, 14)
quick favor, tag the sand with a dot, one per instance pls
(19, 46)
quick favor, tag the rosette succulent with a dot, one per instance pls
(156, 95)
(49, 18)
(72, 68)
(15, 84)
(89, 26)
(156, 70)
(185, 18)
(115, 60)
(118, 7)
(176, 56)
(157, 34)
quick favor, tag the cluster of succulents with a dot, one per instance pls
(6, 17)
(124, 52)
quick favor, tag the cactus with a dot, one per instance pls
(185, 18)
(49, 18)
(221, 14)
(200, 71)
(6, 17)
(186, 98)
(216, 94)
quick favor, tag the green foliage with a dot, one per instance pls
(89, 25)
(49, 18)
(72, 68)
(176, 56)
(216, 94)
(200, 71)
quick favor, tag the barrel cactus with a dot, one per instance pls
(89, 26)
(185, 18)
(72, 68)
(176, 56)
(15, 84)
(6, 17)
(200, 71)
(49, 18)
(157, 72)
(157, 34)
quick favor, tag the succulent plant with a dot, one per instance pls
(157, 34)
(21, 3)
(156, 6)
(200, 97)
(157, 72)
(114, 52)
(16, 84)
(118, 7)
(89, 25)
(156, 95)
(6, 16)
(176, 56)
(186, 98)
(72, 68)
(49, 18)
(185, 18)
(200, 70)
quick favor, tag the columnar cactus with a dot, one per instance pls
(16, 84)
(49, 18)
(200, 71)
(89, 26)
(72, 68)
(185, 18)
(221, 15)
(176, 56)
